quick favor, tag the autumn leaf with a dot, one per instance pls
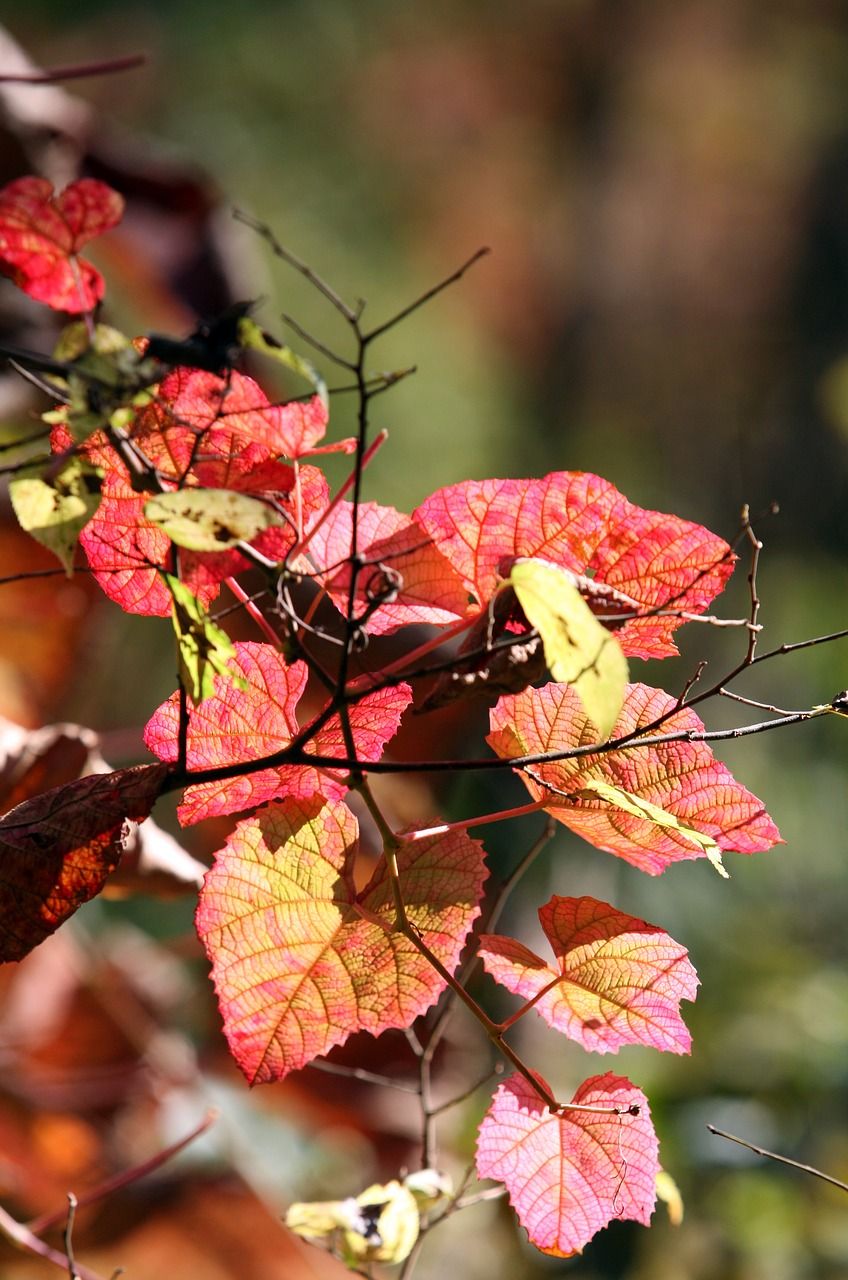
(237, 725)
(59, 847)
(209, 519)
(616, 979)
(301, 960)
(41, 235)
(55, 510)
(682, 778)
(579, 650)
(569, 1174)
(405, 579)
(633, 560)
(204, 649)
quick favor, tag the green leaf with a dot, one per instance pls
(578, 649)
(107, 379)
(254, 338)
(210, 519)
(641, 808)
(203, 647)
(54, 510)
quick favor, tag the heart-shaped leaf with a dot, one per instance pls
(568, 1175)
(300, 959)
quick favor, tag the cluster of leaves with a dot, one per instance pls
(171, 473)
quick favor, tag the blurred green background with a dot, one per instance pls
(664, 187)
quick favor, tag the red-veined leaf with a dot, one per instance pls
(125, 551)
(300, 959)
(641, 560)
(682, 778)
(41, 235)
(237, 725)
(568, 1175)
(616, 979)
(59, 847)
(414, 580)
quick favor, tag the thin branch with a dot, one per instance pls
(771, 1155)
(317, 344)
(39, 1225)
(73, 1274)
(426, 297)
(262, 229)
(25, 1239)
(108, 67)
(359, 1073)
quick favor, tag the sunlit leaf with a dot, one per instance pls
(300, 959)
(240, 724)
(695, 791)
(55, 508)
(41, 235)
(579, 650)
(405, 579)
(204, 649)
(58, 848)
(568, 1175)
(635, 561)
(615, 980)
(209, 519)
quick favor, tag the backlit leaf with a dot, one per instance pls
(568, 1175)
(54, 510)
(57, 849)
(301, 960)
(209, 519)
(204, 649)
(237, 725)
(41, 235)
(615, 979)
(634, 560)
(405, 578)
(579, 650)
(681, 778)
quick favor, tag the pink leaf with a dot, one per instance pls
(636, 560)
(41, 235)
(683, 778)
(300, 959)
(616, 979)
(568, 1175)
(236, 726)
(420, 585)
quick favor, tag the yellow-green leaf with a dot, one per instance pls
(641, 808)
(54, 510)
(210, 519)
(578, 649)
(380, 1225)
(204, 648)
(252, 337)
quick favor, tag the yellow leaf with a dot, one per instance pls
(641, 808)
(578, 649)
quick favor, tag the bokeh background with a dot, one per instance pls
(664, 187)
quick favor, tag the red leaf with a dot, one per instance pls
(568, 1175)
(683, 778)
(617, 980)
(238, 725)
(42, 234)
(400, 555)
(300, 959)
(582, 523)
(125, 551)
(215, 429)
(58, 848)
